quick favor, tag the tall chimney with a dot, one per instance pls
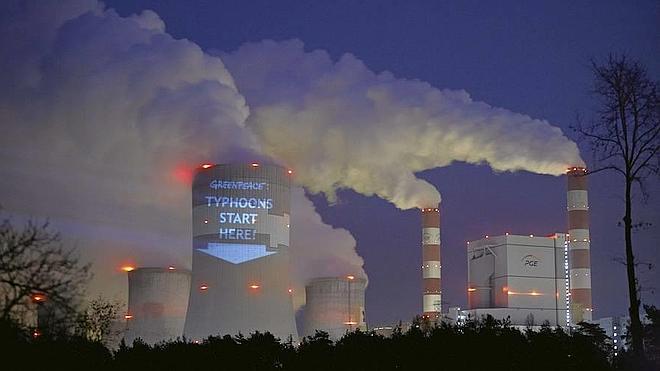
(431, 266)
(579, 245)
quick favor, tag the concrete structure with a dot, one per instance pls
(579, 245)
(431, 265)
(157, 304)
(522, 278)
(615, 328)
(334, 305)
(240, 265)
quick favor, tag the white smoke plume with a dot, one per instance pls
(311, 256)
(340, 125)
(103, 119)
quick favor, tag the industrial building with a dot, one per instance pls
(240, 263)
(157, 303)
(431, 264)
(520, 278)
(536, 279)
(334, 305)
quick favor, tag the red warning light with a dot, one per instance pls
(38, 298)
(289, 171)
(290, 291)
(128, 268)
(203, 287)
(128, 316)
(171, 267)
(254, 287)
(350, 277)
(254, 164)
(206, 166)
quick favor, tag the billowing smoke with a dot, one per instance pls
(103, 119)
(341, 125)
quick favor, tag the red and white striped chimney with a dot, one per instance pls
(579, 245)
(431, 266)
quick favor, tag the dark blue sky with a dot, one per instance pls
(528, 57)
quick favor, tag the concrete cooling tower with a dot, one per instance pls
(334, 305)
(240, 268)
(157, 304)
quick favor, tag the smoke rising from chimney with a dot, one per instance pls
(341, 125)
(104, 118)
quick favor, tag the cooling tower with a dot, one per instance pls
(157, 304)
(334, 305)
(240, 268)
(579, 245)
(431, 266)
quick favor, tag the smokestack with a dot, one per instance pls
(431, 266)
(157, 304)
(579, 245)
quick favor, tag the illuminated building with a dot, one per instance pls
(334, 305)
(522, 278)
(157, 304)
(240, 266)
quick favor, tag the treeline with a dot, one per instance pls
(478, 345)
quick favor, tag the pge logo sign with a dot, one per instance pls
(530, 262)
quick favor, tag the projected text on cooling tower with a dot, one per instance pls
(231, 231)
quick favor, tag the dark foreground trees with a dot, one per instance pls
(38, 274)
(625, 138)
(478, 345)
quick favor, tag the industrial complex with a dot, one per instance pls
(240, 277)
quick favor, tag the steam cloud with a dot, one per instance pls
(340, 125)
(103, 118)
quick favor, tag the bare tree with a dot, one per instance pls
(625, 138)
(98, 321)
(37, 271)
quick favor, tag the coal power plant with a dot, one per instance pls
(334, 305)
(157, 303)
(240, 252)
(240, 279)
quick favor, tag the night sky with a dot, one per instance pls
(527, 57)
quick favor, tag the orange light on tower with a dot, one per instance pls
(171, 267)
(203, 287)
(289, 171)
(254, 286)
(254, 164)
(206, 166)
(128, 268)
(350, 277)
(471, 289)
(38, 298)
(128, 316)
(290, 291)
